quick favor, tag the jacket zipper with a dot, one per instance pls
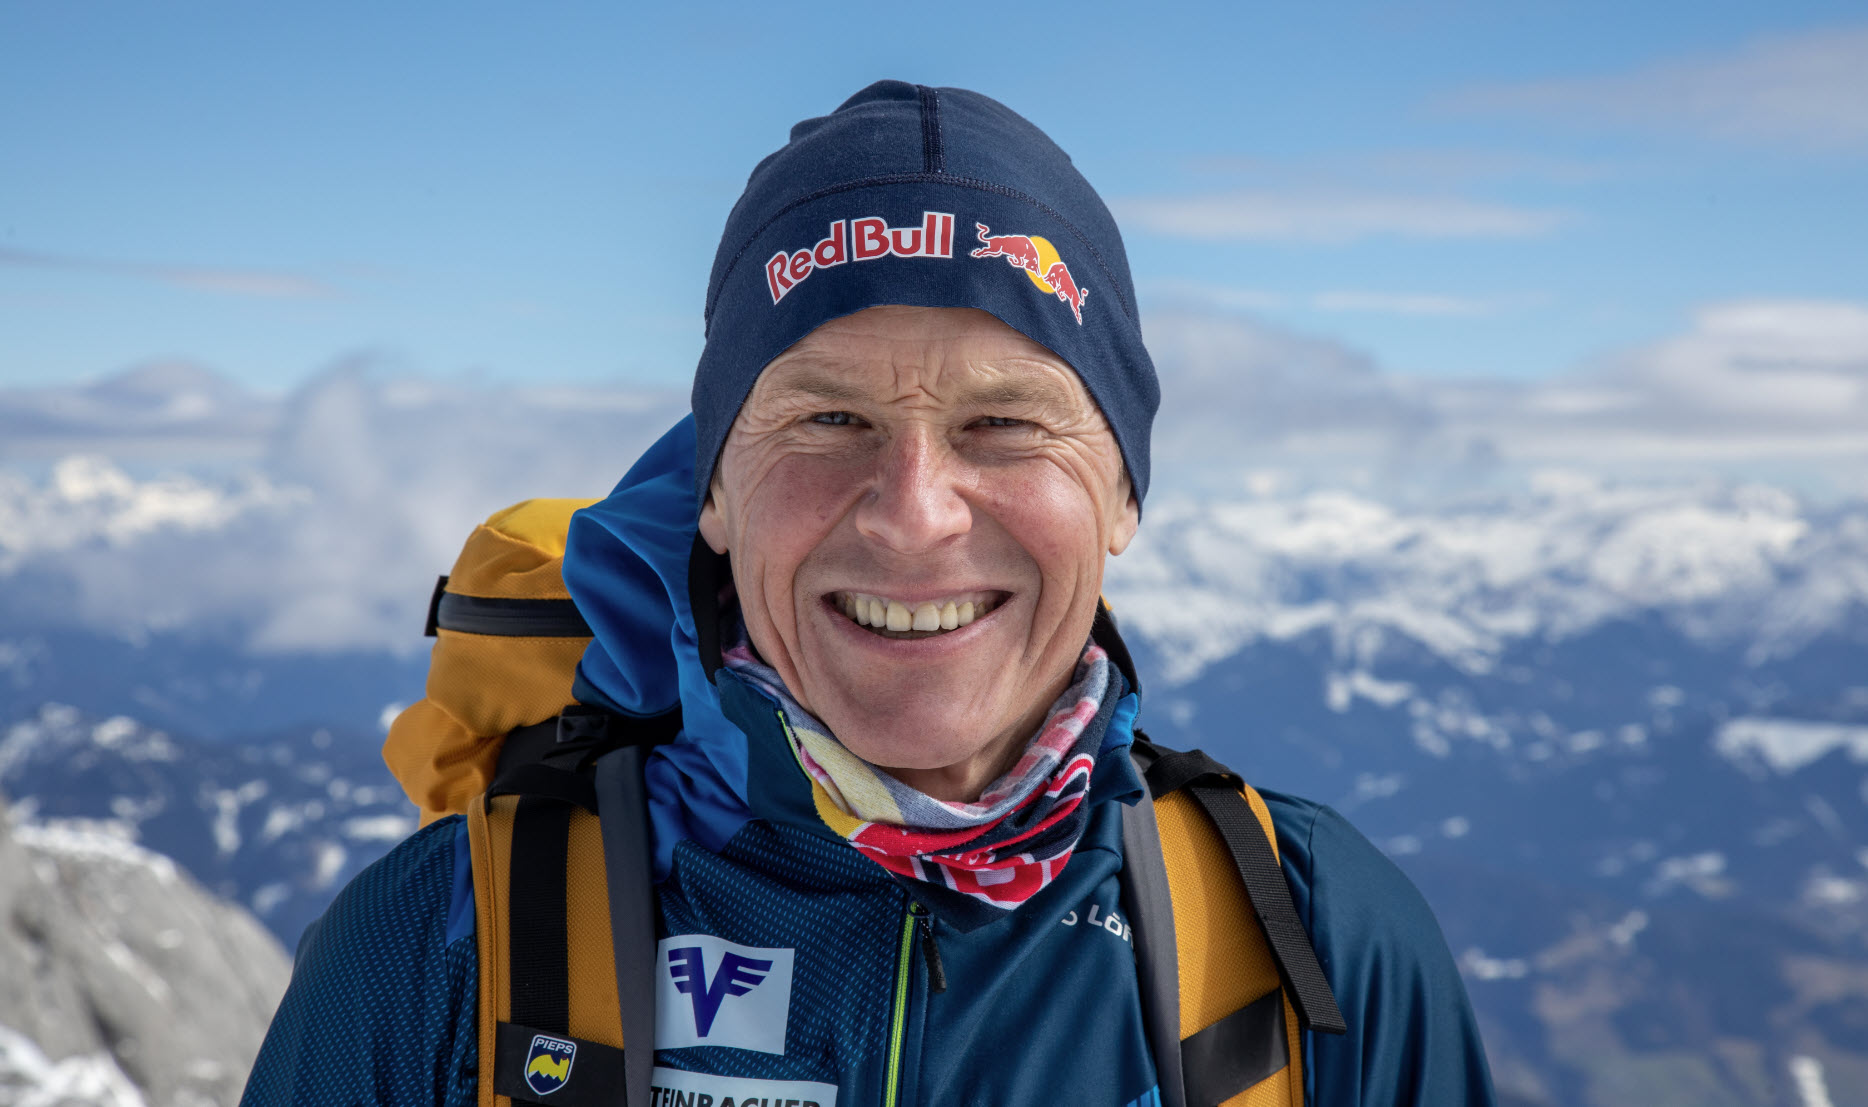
(898, 1025)
(918, 921)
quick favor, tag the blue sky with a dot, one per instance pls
(1502, 190)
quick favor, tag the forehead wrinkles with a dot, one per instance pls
(911, 379)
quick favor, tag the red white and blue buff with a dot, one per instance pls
(999, 850)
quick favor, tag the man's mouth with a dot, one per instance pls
(925, 619)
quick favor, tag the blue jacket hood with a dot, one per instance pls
(626, 563)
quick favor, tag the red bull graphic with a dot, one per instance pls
(1058, 278)
(1038, 258)
(864, 239)
(1016, 249)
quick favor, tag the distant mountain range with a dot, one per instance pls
(1619, 736)
(275, 823)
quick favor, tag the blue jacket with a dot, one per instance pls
(797, 969)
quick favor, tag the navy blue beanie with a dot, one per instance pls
(932, 197)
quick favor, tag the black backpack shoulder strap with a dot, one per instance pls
(591, 760)
(1216, 789)
(1150, 904)
(622, 808)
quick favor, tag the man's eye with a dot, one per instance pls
(1000, 421)
(834, 419)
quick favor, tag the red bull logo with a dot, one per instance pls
(865, 239)
(1038, 258)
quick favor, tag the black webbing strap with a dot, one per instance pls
(622, 796)
(1150, 905)
(1236, 1052)
(1216, 789)
(505, 617)
(574, 739)
(525, 745)
(548, 766)
(538, 952)
(431, 629)
(536, 781)
(586, 1075)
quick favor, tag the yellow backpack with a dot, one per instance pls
(1228, 976)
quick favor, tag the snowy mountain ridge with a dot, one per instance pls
(1467, 580)
(277, 826)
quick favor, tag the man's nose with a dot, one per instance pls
(914, 502)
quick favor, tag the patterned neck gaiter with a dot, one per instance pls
(999, 850)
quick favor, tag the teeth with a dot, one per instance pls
(893, 615)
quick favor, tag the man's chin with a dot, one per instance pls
(909, 735)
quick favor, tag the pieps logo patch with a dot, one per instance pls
(710, 991)
(548, 1064)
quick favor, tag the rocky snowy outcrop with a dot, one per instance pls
(123, 982)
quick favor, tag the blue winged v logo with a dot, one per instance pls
(740, 995)
(736, 976)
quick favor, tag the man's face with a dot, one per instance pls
(930, 463)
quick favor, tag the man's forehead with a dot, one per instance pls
(1008, 381)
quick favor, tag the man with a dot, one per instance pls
(887, 849)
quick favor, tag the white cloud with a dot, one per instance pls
(1260, 396)
(1767, 387)
(173, 408)
(1332, 217)
(1750, 380)
(1196, 295)
(1201, 294)
(333, 524)
(1808, 89)
(268, 283)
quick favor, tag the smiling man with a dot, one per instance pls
(918, 502)
(907, 845)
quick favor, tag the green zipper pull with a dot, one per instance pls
(930, 949)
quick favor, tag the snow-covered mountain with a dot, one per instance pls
(1618, 735)
(122, 982)
(1466, 579)
(277, 823)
